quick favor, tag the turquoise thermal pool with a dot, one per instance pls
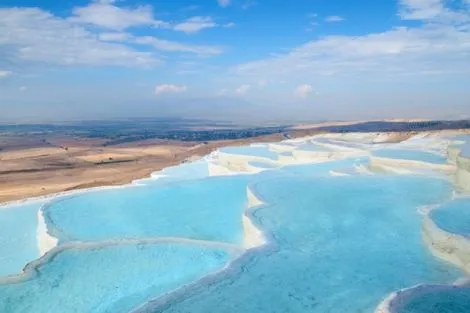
(326, 234)
(180, 209)
(255, 151)
(448, 300)
(18, 244)
(313, 147)
(329, 253)
(454, 217)
(115, 278)
(414, 155)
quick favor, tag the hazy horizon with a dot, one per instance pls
(240, 60)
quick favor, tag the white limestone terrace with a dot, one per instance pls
(329, 147)
(406, 167)
(458, 153)
(451, 247)
(253, 236)
(315, 149)
(448, 246)
(288, 152)
(216, 164)
(46, 241)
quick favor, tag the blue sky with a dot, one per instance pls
(234, 59)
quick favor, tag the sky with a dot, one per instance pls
(250, 60)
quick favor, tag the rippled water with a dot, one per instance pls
(109, 279)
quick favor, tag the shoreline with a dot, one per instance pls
(443, 245)
(255, 201)
(254, 238)
(47, 243)
(20, 187)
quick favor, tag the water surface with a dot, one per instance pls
(454, 216)
(414, 155)
(330, 253)
(18, 244)
(111, 279)
(206, 209)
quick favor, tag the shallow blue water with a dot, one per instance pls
(464, 144)
(207, 209)
(258, 151)
(453, 217)
(313, 147)
(190, 170)
(112, 279)
(338, 142)
(465, 149)
(415, 155)
(341, 244)
(323, 169)
(450, 301)
(186, 171)
(465, 138)
(18, 244)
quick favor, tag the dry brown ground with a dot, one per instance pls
(29, 168)
(62, 164)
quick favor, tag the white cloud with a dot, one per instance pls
(4, 73)
(243, 89)
(169, 88)
(400, 51)
(107, 15)
(22, 88)
(302, 91)
(224, 3)
(173, 46)
(427, 10)
(195, 24)
(420, 9)
(114, 36)
(334, 18)
(248, 4)
(222, 92)
(36, 35)
(232, 24)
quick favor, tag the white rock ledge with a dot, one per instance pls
(462, 175)
(399, 166)
(450, 247)
(253, 237)
(45, 241)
